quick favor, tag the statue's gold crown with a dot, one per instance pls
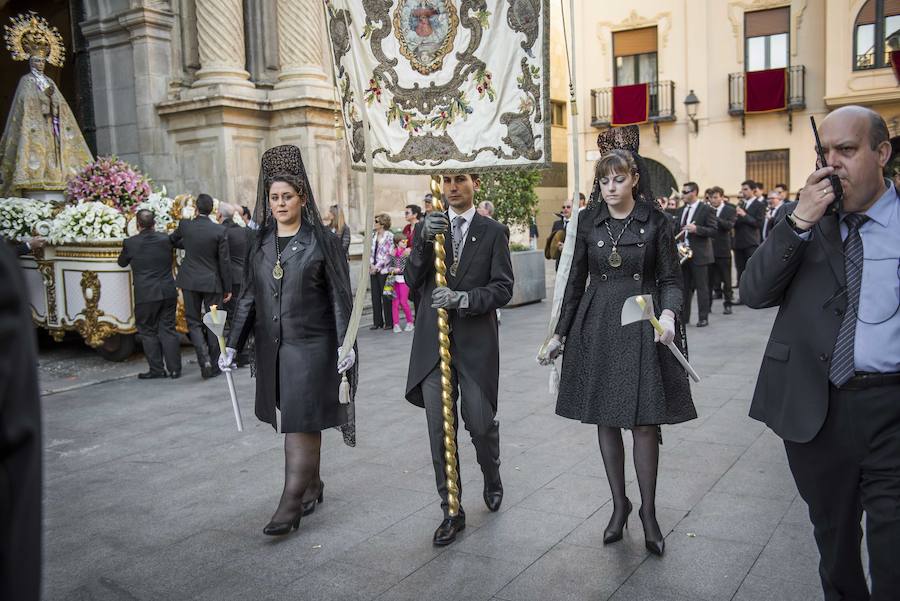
(32, 36)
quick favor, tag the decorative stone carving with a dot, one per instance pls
(300, 42)
(220, 39)
(90, 327)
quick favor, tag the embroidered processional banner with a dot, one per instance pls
(448, 85)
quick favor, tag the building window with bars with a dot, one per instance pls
(635, 56)
(876, 33)
(769, 167)
(767, 39)
(558, 113)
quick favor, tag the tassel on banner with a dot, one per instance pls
(344, 390)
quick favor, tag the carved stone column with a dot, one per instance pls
(220, 37)
(301, 43)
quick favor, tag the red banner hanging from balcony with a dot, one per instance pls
(630, 104)
(765, 91)
(895, 64)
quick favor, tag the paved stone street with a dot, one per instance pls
(151, 494)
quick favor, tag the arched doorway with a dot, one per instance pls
(661, 179)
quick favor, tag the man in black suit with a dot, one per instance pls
(480, 281)
(751, 214)
(237, 249)
(20, 440)
(155, 299)
(829, 384)
(554, 245)
(720, 269)
(204, 278)
(698, 222)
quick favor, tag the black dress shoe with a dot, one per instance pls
(175, 374)
(282, 528)
(151, 375)
(209, 371)
(493, 495)
(310, 506)
(727, 310)
(702, 323)
(446, 532)
(654, 540)
(375, 327)
(617, 523)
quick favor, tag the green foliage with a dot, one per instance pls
(512, 194)
(517, 248)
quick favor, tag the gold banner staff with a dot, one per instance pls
(440, 267)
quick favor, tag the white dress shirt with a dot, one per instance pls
(689, 212)
(464, 230)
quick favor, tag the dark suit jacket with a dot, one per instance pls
(237, 249)
(747, 229)
(150, 255)
(704, 218)
(207, 261)
(725, 231)
(485, 272)
(20, 440)
(804, 279)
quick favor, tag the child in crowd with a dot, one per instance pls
(401, 291)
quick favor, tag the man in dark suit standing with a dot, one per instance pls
(238, 238)
(20, 440)
(829, 384)
(698, 222)
(480, 281)
(720, 269)
(751, 214)
(554, 245)
(155, 299)
(204, 278)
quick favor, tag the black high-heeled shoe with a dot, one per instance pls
(613, 532)
(656, 542)
(310, 506)
(281, 528)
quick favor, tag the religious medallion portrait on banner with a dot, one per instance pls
(447, 85)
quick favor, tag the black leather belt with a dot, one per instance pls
(865, 380)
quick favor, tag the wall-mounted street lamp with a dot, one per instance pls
(691, 103)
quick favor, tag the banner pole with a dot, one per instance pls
(573, 101)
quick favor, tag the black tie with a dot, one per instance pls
(842, 359)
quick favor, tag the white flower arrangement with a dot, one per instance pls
(161, 206)
(87, 221)
(20, 218)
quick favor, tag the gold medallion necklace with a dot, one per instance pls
(615, 259)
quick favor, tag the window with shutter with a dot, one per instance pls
(767, 39)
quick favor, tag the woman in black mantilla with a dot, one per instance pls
(616, 376)
(296, 301)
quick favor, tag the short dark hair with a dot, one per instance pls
(204, 204)
(759, 185)
(581, 196)
(782, 186)
(692, 186)
(749, 183)
(716, 190)
(245, 211)
(145, 219)
(415, 210)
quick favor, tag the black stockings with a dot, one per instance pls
(646, 462)
(302, 451)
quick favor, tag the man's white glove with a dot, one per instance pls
(347, 363)
(667, 321)
(226, 359)
(554, 348)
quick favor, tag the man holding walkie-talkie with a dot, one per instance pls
(830, 378)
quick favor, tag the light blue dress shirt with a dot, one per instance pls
(877, 339)
(877, 342)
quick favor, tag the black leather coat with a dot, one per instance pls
(616, 375)
(298, 323)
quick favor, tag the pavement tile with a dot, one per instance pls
(590, 532)
(401, 549)
(755, 588)
(735, 518)
(335, 580)
(758, 479)
(791, 554)
(569, 494)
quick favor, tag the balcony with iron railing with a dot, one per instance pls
(662, 104)
(796, 91)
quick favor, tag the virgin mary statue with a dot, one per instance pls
(42, 144)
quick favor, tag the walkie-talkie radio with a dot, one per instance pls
(833, 178)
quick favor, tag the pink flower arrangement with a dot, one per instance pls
(110, 181)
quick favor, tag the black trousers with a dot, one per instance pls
(202, 338)
(381, 311)
(851, 466)
(478, 413)
(155, 321)
(696, 278)
(741, 256)
(243, 357)
(720, 279)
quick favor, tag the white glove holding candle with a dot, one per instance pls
(226, 359)
(667, 321)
